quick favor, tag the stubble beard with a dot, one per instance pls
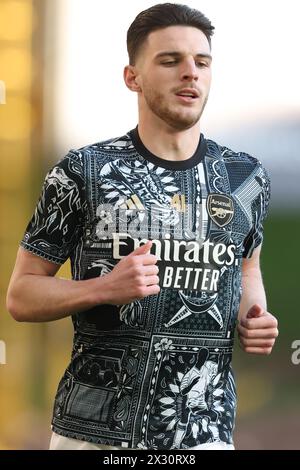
(174, 118)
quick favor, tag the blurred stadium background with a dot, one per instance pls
(61, 63)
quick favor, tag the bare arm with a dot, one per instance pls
(35, 295)
(252, 284)
(257, 327)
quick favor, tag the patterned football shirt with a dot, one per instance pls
(155, 373)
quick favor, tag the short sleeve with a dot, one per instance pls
(260, 208)
(57, 222)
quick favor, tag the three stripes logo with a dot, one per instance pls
(133, 203)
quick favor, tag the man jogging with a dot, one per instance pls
(163, 228)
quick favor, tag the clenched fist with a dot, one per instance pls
(257, 331)
(133, 278)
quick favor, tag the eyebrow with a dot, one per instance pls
(201, 55)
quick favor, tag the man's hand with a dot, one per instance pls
(257, 331)
(36, 295)
(134, 277)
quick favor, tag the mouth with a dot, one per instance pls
(187, 95)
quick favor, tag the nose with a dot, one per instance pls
(189, 70)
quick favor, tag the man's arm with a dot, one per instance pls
(257, 328)
(35, 295)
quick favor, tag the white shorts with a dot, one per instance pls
(67, 443)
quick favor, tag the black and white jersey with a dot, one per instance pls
(155, 373)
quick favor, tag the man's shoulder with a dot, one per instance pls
(114, 144)
(230, 156)
(104, 150)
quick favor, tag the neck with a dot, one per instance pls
(166, 142)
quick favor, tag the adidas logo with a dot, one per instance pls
(132, 203)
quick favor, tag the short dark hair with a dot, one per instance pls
(161, 16)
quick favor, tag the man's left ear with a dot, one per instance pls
(130, 78)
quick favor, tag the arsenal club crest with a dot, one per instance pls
(220, 209)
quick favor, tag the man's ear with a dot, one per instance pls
(130, 78)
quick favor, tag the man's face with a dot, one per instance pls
(174, 75)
